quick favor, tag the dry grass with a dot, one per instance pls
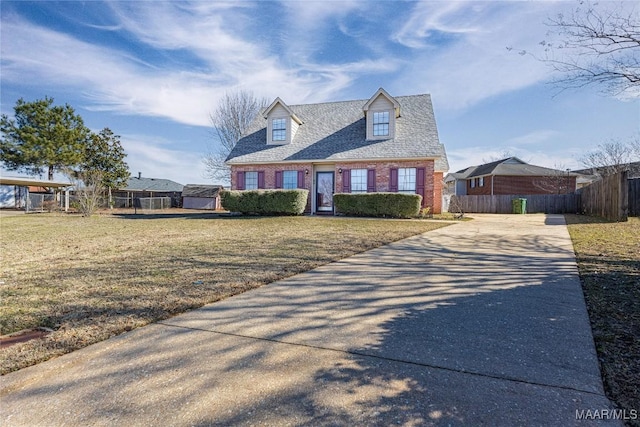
(92, 278)
(608, 257)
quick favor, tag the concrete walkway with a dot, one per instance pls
(479, 323)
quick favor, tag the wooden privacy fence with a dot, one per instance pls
(634, 197)
(537, 203)
(613, 197)
(607, 198)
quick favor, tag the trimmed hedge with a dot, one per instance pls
(394, 205)
(265, 202)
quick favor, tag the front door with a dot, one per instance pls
(324, 191)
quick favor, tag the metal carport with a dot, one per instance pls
(26, 182)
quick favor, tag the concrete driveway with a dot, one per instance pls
(479, 323)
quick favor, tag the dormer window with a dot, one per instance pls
(381, 123)
(381, 112)
(282, 123)
(279, 130)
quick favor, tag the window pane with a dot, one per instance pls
(380, 130)
(278, 124)
(290, 180)
(407, 180)
(381, 123)
(279, 132)
(382, 117)
(251, 180)
(358, 180)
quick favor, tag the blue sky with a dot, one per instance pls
(153, 71)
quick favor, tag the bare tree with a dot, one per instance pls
(230, 120)
(88, 188)
(504, 154)
(455, 207)
(634, 143)
(558, 181)
(600, 44)
(612, 157)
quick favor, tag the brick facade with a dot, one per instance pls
(432, 184)
(523, 185)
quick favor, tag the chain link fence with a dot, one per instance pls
(40, 202)
(152, 203)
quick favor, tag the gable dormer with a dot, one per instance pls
(381, 112)
(282, 123)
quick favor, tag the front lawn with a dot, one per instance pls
(608, 256)
(91, 278)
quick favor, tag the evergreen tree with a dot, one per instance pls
(42, 136)
(104, 154)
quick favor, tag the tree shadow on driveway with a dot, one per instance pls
(432, 330)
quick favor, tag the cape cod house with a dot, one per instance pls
(383, 144)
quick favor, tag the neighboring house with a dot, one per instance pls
(594, 173)
(383, 144)
(510, 176)
(196, 196)
(31, 193)
(148, 187)
(455, 183)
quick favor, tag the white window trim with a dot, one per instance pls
(370, 125)
(293, 180)
(287, 130)
(379, 123)
(282, 129)
(246, 180)
(402, 180)
(362, 179)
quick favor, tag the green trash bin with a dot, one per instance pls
(519, 206)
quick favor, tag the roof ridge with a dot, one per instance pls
(353, 100)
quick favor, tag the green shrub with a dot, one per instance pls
(394, 205)
(265, 202)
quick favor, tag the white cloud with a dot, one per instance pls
(430, 18)
(110, 80)
(535, 137)
(152, 157)
(469, 61)
(215, 36)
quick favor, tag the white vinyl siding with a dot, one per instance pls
(358, 180)
(290, 180)
(251, 180)
(407, 180)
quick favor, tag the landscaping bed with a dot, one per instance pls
(88, 279)
(608, 256)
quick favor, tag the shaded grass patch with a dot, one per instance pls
(608, 255)
(93, 278)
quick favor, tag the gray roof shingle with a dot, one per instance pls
(336, 131)
(201, 190)
(511, 166)
(152, 184)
